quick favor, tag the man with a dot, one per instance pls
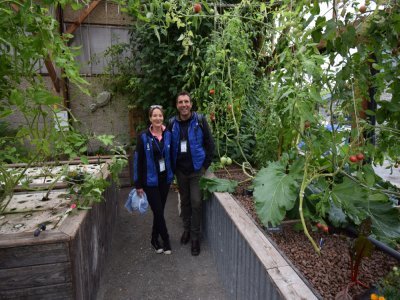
(192, 149)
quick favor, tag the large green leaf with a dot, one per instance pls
(385, 218)
(211, 185)
(358, 204)
(275, 192)
(345, 194)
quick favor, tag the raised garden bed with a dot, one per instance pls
(65, 260)
(327, 274)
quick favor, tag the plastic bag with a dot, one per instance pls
(135, 202)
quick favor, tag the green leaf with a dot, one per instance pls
(369, 175)
(345, 194)
(16, 97)
(220, 185)
(385, 218)
(275, 192)
(5, 113)
(106, 139)
(358, 204)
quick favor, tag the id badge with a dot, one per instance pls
(183, 146)
(161, 162)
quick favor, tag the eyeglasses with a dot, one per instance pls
(155, 106)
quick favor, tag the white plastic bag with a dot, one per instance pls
(135, 202)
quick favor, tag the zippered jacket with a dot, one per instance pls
(200, 152)
(146, 157)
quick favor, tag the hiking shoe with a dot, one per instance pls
(167, 247)
(185, 237)
(156, 246)
(195, 247)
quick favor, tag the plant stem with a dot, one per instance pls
(304, 184)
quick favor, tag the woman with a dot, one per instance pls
(153, 174)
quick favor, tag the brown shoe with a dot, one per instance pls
(195, 247)
(185, 238)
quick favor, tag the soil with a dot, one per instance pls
(329, 273)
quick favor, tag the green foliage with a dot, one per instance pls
(211, 185)
(29, 36)
(389, 285)
(275, 192)
(278, 72)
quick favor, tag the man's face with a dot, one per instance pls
(184, 106)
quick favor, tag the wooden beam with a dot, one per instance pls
(71, 29)
(52, 73)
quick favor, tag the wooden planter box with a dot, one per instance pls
(248, 263)
(61, 263)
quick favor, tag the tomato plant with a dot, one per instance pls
(299, 91)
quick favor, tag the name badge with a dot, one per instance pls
(183, 146)
(161, 162)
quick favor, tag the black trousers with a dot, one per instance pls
(157, 197)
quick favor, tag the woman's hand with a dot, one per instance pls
(140, 192)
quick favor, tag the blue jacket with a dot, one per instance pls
(195, 140)
(145, 169)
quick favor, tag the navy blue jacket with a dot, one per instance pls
(146, 159)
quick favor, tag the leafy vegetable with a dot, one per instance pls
(211, 185)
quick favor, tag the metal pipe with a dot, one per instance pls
(381, 246)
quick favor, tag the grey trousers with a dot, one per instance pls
(191, 201)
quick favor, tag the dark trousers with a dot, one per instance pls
(190, 193)
(157, 197)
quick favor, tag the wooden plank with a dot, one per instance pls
(289, 284)
(91, 159)
(72, 223)
(27, 238)
(34, 255)
(71, 29)
(40, 187)
(48, 292)
(33, 276)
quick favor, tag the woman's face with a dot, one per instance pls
(157, 117)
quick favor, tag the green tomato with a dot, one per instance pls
(223, 160)
(228, 161)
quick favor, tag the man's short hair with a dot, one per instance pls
(184, 93)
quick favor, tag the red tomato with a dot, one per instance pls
(197, 8)
(353, 158)
(212, 117)
(212, 92)
(325, 229)
(362, 8)
(360, 156)
(319, 225)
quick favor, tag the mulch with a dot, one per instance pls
(328, 273)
